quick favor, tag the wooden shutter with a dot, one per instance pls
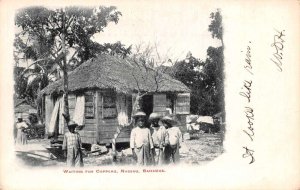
(72, 104)
(89, 104)
(183, 103)
(159, 103)
(109, 109)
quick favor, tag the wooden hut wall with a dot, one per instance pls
(89, 132)
(182, 109)
(99, 128)
(182, 103)
(72, 103)
(159, 103)
(107, 119)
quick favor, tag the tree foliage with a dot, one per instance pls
(215, 26)
(76, 25)
(47, 37)
(205, 78)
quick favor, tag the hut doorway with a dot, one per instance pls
(147, 104)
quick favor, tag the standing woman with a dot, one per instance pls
(140, 140)
(173, 140)
(21, 126)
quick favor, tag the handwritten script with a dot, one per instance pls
(278, 42)
(245, 93)
(249, 153)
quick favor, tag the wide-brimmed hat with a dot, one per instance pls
(72, 124)
(139, 114)
(169, 119)
(154, 116)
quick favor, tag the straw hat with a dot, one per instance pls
(169, 120)
(139, 114)
(154, 116)
(72, 124)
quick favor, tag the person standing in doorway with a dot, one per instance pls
(140, 140)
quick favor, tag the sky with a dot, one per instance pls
(175, 29)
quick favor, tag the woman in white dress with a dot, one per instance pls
(21, 135)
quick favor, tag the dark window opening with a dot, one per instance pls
(147, 104)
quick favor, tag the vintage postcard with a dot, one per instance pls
(150, 94)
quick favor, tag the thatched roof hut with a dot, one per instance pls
(102, 92)
(123, 75)
(23, 109)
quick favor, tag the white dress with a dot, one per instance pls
(21, 135)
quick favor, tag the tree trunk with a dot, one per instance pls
(65, 74)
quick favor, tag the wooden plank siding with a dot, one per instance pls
(101, 131)
(106, 127)
(89, 132)
(182, 104)
(72, 103)
(159, 103)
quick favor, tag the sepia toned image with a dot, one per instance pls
(81, 102)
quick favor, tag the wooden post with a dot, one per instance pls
(97, 116)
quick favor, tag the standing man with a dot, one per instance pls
(158, 137)
(72, 146)
(141, 141)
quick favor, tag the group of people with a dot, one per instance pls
(158, 144)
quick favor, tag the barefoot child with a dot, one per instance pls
(158, 137)
(141, 141)
(173, 140)
(72, 146)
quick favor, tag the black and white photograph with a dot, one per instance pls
(92, 88)
(148, 94)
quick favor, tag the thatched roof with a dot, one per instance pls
(21, 106)
(123, 75)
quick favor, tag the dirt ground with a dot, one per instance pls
(200, 149)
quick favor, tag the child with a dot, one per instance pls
(140, 140)
(158, 137)
(72, 146)
(173, 140)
